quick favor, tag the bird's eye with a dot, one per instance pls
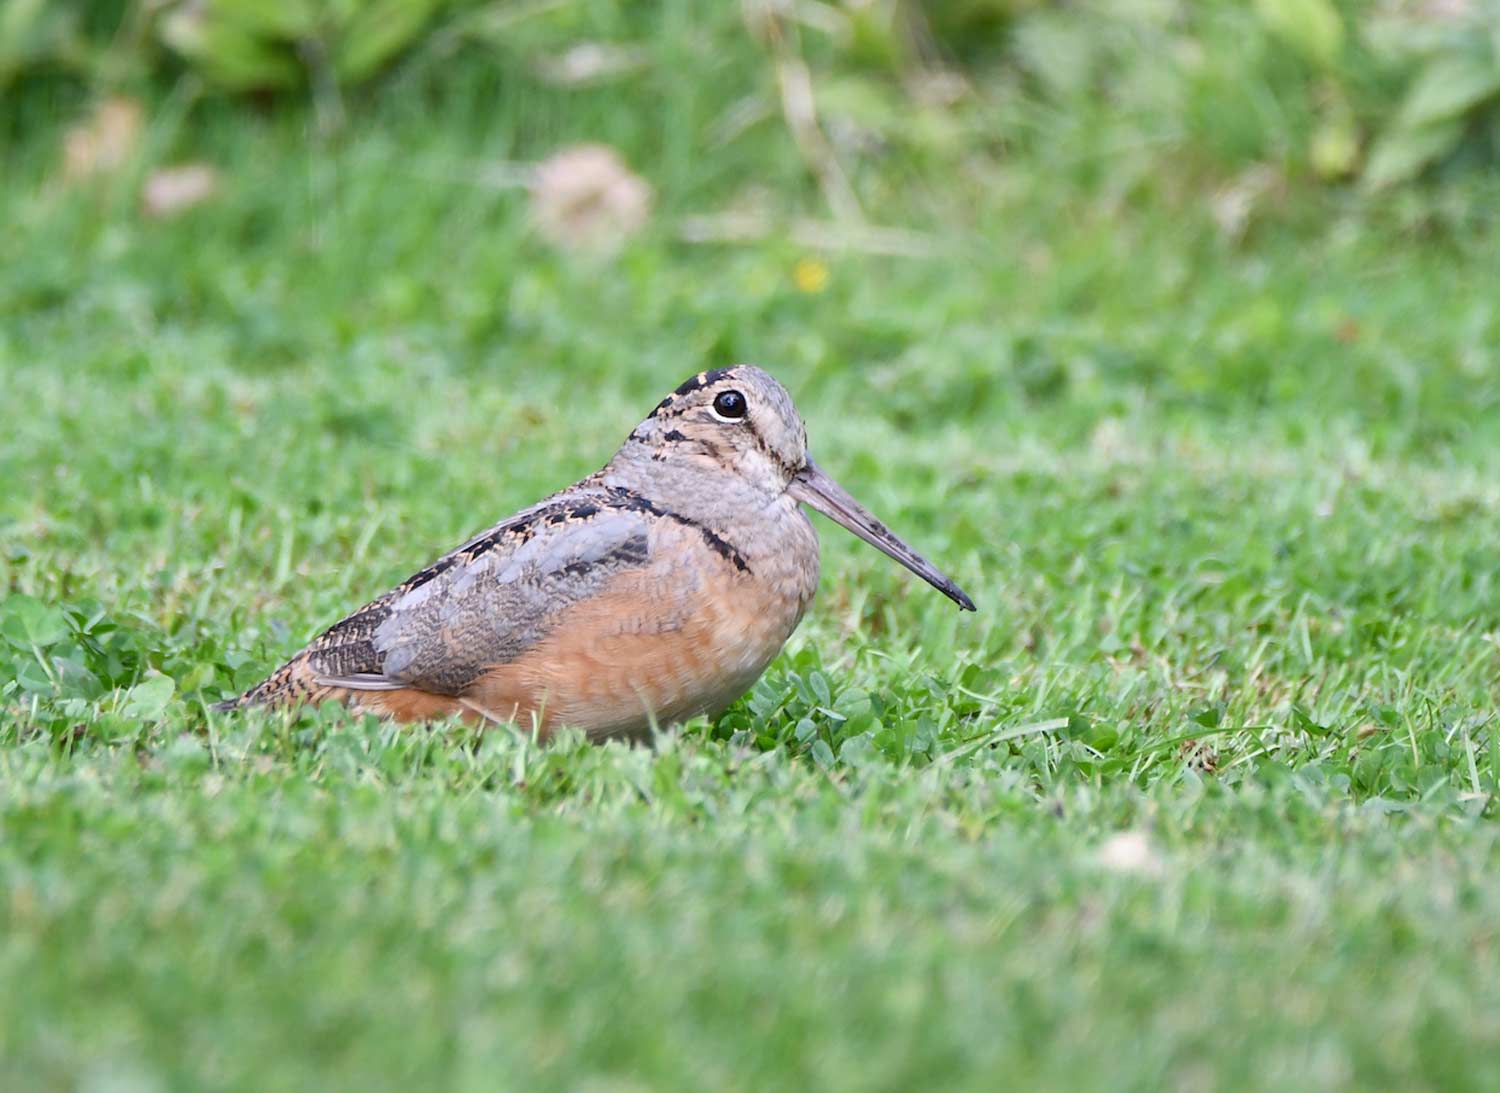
(729, 406)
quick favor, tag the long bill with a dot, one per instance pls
(815, 489)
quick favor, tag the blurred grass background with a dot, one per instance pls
(1170, 329)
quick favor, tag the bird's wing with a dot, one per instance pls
(486, 602)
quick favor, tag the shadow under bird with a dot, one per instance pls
(654, 590)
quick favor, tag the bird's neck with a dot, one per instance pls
(702, 491)
(679, 481)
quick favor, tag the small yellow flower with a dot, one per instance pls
(810, 275)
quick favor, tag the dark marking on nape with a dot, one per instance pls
(677, 436)
(622, 497)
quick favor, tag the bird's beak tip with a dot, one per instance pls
(815, 489)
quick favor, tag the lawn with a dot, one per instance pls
(1203, 797)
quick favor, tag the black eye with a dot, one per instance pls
(730, 404)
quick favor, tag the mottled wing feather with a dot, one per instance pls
(444, 636)
(486, 602)
(348, 650)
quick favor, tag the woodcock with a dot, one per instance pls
(654, 590)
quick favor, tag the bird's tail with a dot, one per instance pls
(290, 685)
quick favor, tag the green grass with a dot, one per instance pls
(1228, 509)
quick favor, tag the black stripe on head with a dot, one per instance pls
(688, 386)
(701, 380)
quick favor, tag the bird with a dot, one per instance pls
(652, 591)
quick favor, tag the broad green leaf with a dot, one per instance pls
(33, 32)
(285, 19)
(228, 53)
(1403, 153)
(857, 751)
(148, 699)
(375, 33)
(1449, 87)
(1311, 27)
(32, 678)
(26, 622)
(819, 684)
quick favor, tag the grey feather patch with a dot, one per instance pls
(443, 635)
